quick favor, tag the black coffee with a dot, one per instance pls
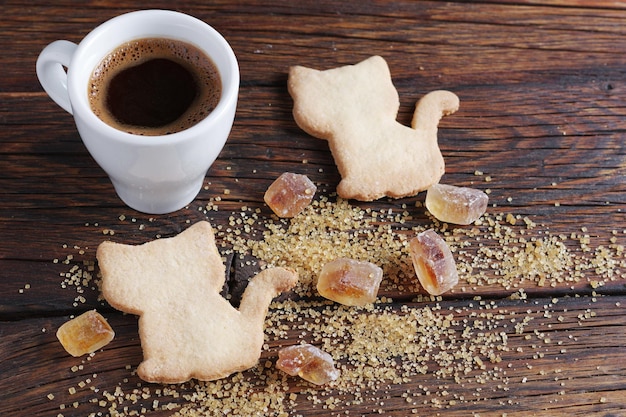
(154, 86)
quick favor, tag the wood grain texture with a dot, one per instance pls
(541, 126)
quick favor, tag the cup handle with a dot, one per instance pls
(51, 71)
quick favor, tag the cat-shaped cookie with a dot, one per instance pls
(187, 329)
(354, 108)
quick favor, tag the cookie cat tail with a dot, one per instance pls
(261, 289)
(431, 108)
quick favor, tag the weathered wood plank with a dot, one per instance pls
(549, 367)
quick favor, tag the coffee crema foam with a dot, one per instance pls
(135, 53)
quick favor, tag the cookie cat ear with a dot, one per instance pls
(117, 286)
(310, 110)
(378, 92)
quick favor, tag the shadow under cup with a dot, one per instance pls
(154, 174)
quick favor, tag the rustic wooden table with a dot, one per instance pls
(536, 325)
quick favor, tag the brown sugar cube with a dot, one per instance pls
(433, 262)
(85, 333)
(289, 194)
(350, 282)
(457, 205)
(308, 362)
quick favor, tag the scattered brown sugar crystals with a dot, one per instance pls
(308, 362)
(453, 355)
(502, 249)
(434, 262)
(327, 230)
(387, 344)
(457, 205)
(458, 354)
(85, 333)
(514, 252)
(350, 282)
(289, 194)
(80, 275)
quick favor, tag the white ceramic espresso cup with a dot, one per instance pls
(152, 174)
